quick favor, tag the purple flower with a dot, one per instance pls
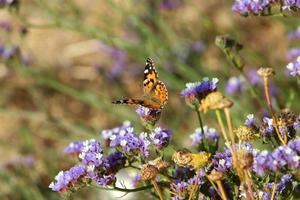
(64, 178)
(294, 35)
(148, 114)
(293, 53)
(105, 180)
(250, 121)
(74, 147)
(92, 153)
(125, 138)
(160, 137)
(198, 46)
(170, 4)
(210, 134)
(6, 26)
(246, 7)
(284, 156)
(282, 184)
(235, 85)
(262, 162)
(199, 89)
(254, 77)
(294, 67)
(288, 4)
(267, 126)
(222, 161)
(114, 162)
(295, 145)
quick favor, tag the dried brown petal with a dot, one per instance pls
(183, 157)
(265, 71)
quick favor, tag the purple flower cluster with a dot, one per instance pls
(235, 85)
(294, 67)
(288, 4)
(210, 135)
(124, 138)
(246, 7)
(74, 147)
(267, 127)
(170, 4)
(199, 89)
(281, 186)
(148, 115)
(222, 161)
(91, 153)
(283, 157)
(160, 137)
(64, 178)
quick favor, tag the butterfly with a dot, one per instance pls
(155, 91)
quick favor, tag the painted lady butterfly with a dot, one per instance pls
(155, 91)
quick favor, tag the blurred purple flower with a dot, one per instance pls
(251, 6)
(254, 78)
(222, 161)
(148, 115)
(294, 67)
(250, 121)
(170, 4)
(198, 46)
(293, 53)
(210, 135)
(295, 35)
(288, 4)
(199, 89)
(262, 162)
(64, 178)
(266, 127)
(160, 137)
(6, 25)
(295, 145)
(74, 148)
(235, 85)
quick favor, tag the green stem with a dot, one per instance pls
(206, 146)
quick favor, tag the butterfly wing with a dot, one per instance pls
(150, 76)
(142, 102)
(159, 93)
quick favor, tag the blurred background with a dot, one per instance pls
(63, 62)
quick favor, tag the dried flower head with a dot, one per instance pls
(265, 71)
(244, 159)
(148, 172)
(213, 101)
(183, 157)
(216, 175)
(246, 133)
(161, 164)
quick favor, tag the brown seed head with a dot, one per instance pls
(213, 101)
(216, 175)
(244, 159)
(182, 157)
(148, 172)
(246, 133)
(265, 72)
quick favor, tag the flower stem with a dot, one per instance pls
(157, 189)
(229, 124)
(213, 184)
(206, 146)
(274, 187)
(221, 188)
(221, 124)
(194, 186)
(269, 103)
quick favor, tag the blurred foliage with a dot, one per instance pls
(74, 57)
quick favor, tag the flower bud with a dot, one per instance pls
(213, 101)
(148, 172)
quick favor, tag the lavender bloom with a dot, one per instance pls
(170, 4)
(246, 7)
(284, 156)
(293, 53)
(267, 126)
(114, 162)
(294, 35)
(64, 178)
(254, 77)
(288, 4)
(105, 180)
(148, 114)
(125, 138)
(74, 148)
(160, 138)
(92, 153)
(199, 89)
(250, 121)
(210, 134)
(295, 145)
(294, 67)
(282, 184)
(222, 161)
(235, 85)
(262, 162)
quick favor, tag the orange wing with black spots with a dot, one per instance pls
(155, 91)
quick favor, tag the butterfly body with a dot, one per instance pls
(155, 91)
